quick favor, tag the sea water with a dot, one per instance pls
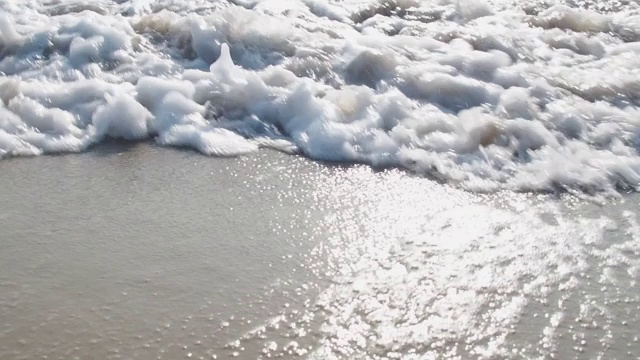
(448, 219)
(143, 252)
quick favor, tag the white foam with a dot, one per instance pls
(209, 141)
(564, 17)
(471, 9)
(42, 119)
(14, 146)
(9, 37)
(122, 117)
(475, 93)
(152, 90)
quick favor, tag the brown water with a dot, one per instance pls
(140, 252)
(111, 254)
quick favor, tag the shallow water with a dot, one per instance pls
(136, 251)
(474, 203)
(139, 259)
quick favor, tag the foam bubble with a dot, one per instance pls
(122, 117)
(468, 92)
(45, 120)
(152, 90)
(209, 141)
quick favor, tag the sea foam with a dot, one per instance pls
(484, 95)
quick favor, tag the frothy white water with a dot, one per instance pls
(486, 95)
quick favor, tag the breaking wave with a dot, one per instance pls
(484, 95)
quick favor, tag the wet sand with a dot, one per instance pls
(140, 252)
